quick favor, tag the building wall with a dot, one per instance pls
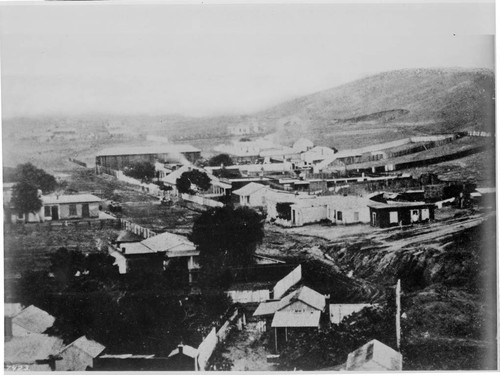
(64, 212)
(19, 331)
(118, 162)
(306, 215)
(74, 359)
(405, 216)
(249, 296)
(349, 215)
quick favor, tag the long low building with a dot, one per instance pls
(121, 157)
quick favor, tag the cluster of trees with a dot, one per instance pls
(227, 238)
(191, 181)
(31, 182)
(136, 313)
(144, 171)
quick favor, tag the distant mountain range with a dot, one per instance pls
(377, 108)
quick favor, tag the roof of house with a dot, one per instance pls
(148, 150)
(186, 349)
(374, 355)
(128, 236)
(306, 295)
(27, 349)
(267, 308)
(296, 319)
(380, 205)
(170, 243)
(487, 190)
(91, 347)
(249, 189)
(76, 198)
(34, 319)
(135, 248)
(342, 310)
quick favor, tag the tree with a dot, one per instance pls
(26, 199)
(226, 237)
(25, 195)
(217, 160)
(199, 179)
(35, 176)
(141, 171)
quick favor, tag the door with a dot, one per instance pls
(374, 219)
(415, 216)
(85, 210)
(55, 213)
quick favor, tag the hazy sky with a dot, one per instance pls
(79, 57)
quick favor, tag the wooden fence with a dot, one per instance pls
(137, 229)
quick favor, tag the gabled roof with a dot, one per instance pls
(296, 319)
(306, 295)
(27, 349)
(34, 319)
(91, 347)
(374, 356)
(249, 189)
(169, 242)
(186, 350)
(65, 199)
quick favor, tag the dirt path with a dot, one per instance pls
(247, 350)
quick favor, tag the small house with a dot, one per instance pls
(63, 207)
(79, 355)
(386, 215)
(183, 358)
(374, 356)
(252, 195)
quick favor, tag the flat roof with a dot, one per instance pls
(76, 198)
(148, 150)
(380, 205)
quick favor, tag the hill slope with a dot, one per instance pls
(409, 101)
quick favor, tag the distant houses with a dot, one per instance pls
(252, 195)
(118, 158)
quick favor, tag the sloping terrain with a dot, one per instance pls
(402, 102)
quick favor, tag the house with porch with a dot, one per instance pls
(252, 195)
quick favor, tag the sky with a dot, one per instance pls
(76, 58)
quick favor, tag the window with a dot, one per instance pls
(46, 211)
(393, 217)
(339, 215)
(356, 216)
(72, 210)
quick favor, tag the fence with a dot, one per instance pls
(215, 337)
(201, 200)
(76, 161)
(48, 226)
(137, 229)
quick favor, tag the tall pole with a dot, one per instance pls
(398, 314)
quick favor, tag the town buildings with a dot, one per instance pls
(118, 158)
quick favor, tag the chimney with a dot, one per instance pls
(180, 347)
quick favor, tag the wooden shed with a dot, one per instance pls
(386, 215)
